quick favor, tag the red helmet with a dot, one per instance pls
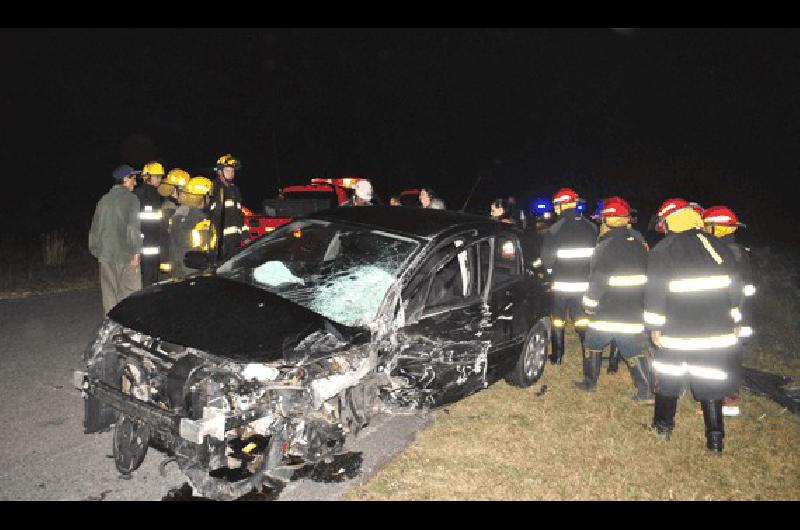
(565, 195)
(721, 215)
(697, 208)
(614, 207)
(670, 206)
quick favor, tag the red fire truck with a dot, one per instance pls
(296, 201)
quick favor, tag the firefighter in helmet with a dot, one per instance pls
(150, 217)
(175, 179)
(226, 209)
(692, 313)
(567, 251)
(190, 228)
(721, 222)
(615, 298)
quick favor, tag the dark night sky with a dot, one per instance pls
(710, 115)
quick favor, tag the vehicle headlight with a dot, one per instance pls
(260, 372)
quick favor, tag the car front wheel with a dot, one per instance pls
(532, 359)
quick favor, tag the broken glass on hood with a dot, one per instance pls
(337, 270)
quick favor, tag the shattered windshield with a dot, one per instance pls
(339, 271)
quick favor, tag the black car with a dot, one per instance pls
(268, 362)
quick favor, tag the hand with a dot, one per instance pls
(655, 336)
(135, 261)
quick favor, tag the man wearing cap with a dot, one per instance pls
(115, 239)
(615, 298)
(567, 251)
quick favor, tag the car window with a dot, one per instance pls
(457, 280)
(339, 271)
(507, 265)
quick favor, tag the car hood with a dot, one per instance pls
(225, 318)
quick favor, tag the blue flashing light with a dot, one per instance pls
(541, 206)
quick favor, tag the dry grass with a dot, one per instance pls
(508, 443)
(58, 265)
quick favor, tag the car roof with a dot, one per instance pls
(420, 222)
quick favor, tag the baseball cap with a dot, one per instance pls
(123, 171)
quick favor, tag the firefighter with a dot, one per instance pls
(721, 222)
(190, 228)
(362, 195)
(542, 211)
(566, 252)
(615, 298)
(175, 179)
(692, 314)
(150, 216)
(226, 209)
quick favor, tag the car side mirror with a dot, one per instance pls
(196, 259)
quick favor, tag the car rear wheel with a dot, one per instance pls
(532, 359)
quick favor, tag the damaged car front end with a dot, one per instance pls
(273, 360)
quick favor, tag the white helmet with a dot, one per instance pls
(364, 190)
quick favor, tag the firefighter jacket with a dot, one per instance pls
(617, 278)
(150, 218)
(226, 216)
(185, 237)
(693, 293)
(567, 250)
(115, 235)
(742, 256)
(168, 208)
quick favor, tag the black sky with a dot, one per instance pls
(711, 115)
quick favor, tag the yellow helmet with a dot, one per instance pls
(204, 236)
(198, 186)
(228, 161)
(153, 168)
(177, 177)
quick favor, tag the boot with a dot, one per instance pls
(557, 343)
(664, 415)
(592, 362)
(613, 359)
(715, 429)
(639, 368)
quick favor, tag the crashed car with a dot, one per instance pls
(272, 360)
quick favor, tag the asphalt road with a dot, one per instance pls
(44, 454)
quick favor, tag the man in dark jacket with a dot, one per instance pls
(691, 310)
(567, 252)
(115, 239)
(615, 298)
(185, 229)
(150, 217)
(227, 219)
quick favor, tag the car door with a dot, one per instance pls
(508, 300)
(444, 351)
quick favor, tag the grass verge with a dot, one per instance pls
(507, 443)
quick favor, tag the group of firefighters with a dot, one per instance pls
(137, 236)
(678, 314)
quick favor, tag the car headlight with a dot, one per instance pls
(260, 372)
